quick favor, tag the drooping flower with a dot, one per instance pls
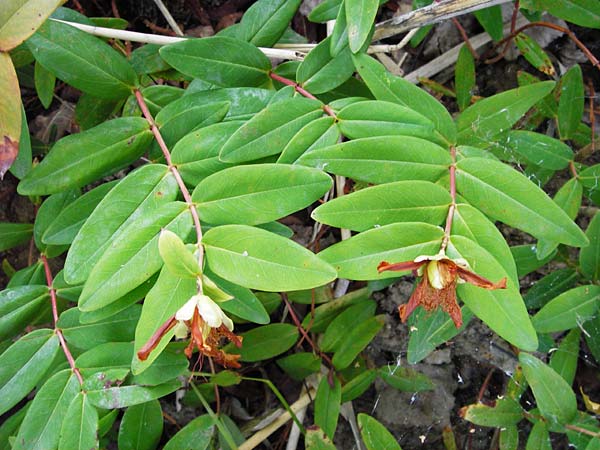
(207, 323)
(437, 287)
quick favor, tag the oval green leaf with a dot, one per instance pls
(220, 60)
(327, 405)
(258, 259)
(79, 159)
(568, 310)
(375, 435)
(382, 159)
(539, 149)
(506, 195)
(82, 60)
(258, 193)
(20, 18)
(403, 201)
(265, 342)
(358, 257)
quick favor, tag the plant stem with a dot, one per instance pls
(182, 187)
(58, 331)
(300, 90)
(452, 208)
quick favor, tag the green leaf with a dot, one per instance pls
(327, 405)
(429, 330)
(506, 195)
(360, 15)
(491, 21)
(378, 118)
(18, 306)
(316, 134)
(46, 214)
(382, 159)
(79, 429)
(20, 18)
(79, 159)
(397, 90)
(141, 427)
(196, 435)
(358, 385)
(258, 259)
(585, 13)
(133, 256)
(589, 257)
(534, 53)
(504, 413)
(555, 398)
(269, 131)
(550, 286)
(405, 379)
(44, 84)
(568, 198)
(316, 439)
(177, 119)
(325, 313)
(258, 193)
(265, 342)
(321, 71)
(337, 331)
(44, 419)
(539, 438)
(13, 234)
(91, 111)
(63, 229)
(571, 101)
(220, 60)
(487, 118)
(23, 365)
(526, 258)
(568, 310)
(403, 201)
(324, 11)
(197, 154)
(123, 396)
(564, 359)
(375, 435)
(464, 77)
(471, 223)
(82, 60)
(177, 258)
(358, 257)
(539, 149)
(509, 438)
(356, 341)
(503, 310)
(265, 21)
(118, 328)
(300, 365)
(10, 427)
(168, 295)
(137, 195)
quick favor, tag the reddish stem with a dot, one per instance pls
(465, 38)
(182, 187)
(300, 90)
(552, 26)
(592, 113)
(450, 217)
(58, 331)
(573, 169)
(513, 25)
(303, 331)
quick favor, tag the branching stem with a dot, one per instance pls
(300, 90)
(58, 331)
(182, 187)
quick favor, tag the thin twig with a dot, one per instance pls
(513, 26)
(592, 113)
(300, 90)
(169, 18)
(434, 13)
(58, 331)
